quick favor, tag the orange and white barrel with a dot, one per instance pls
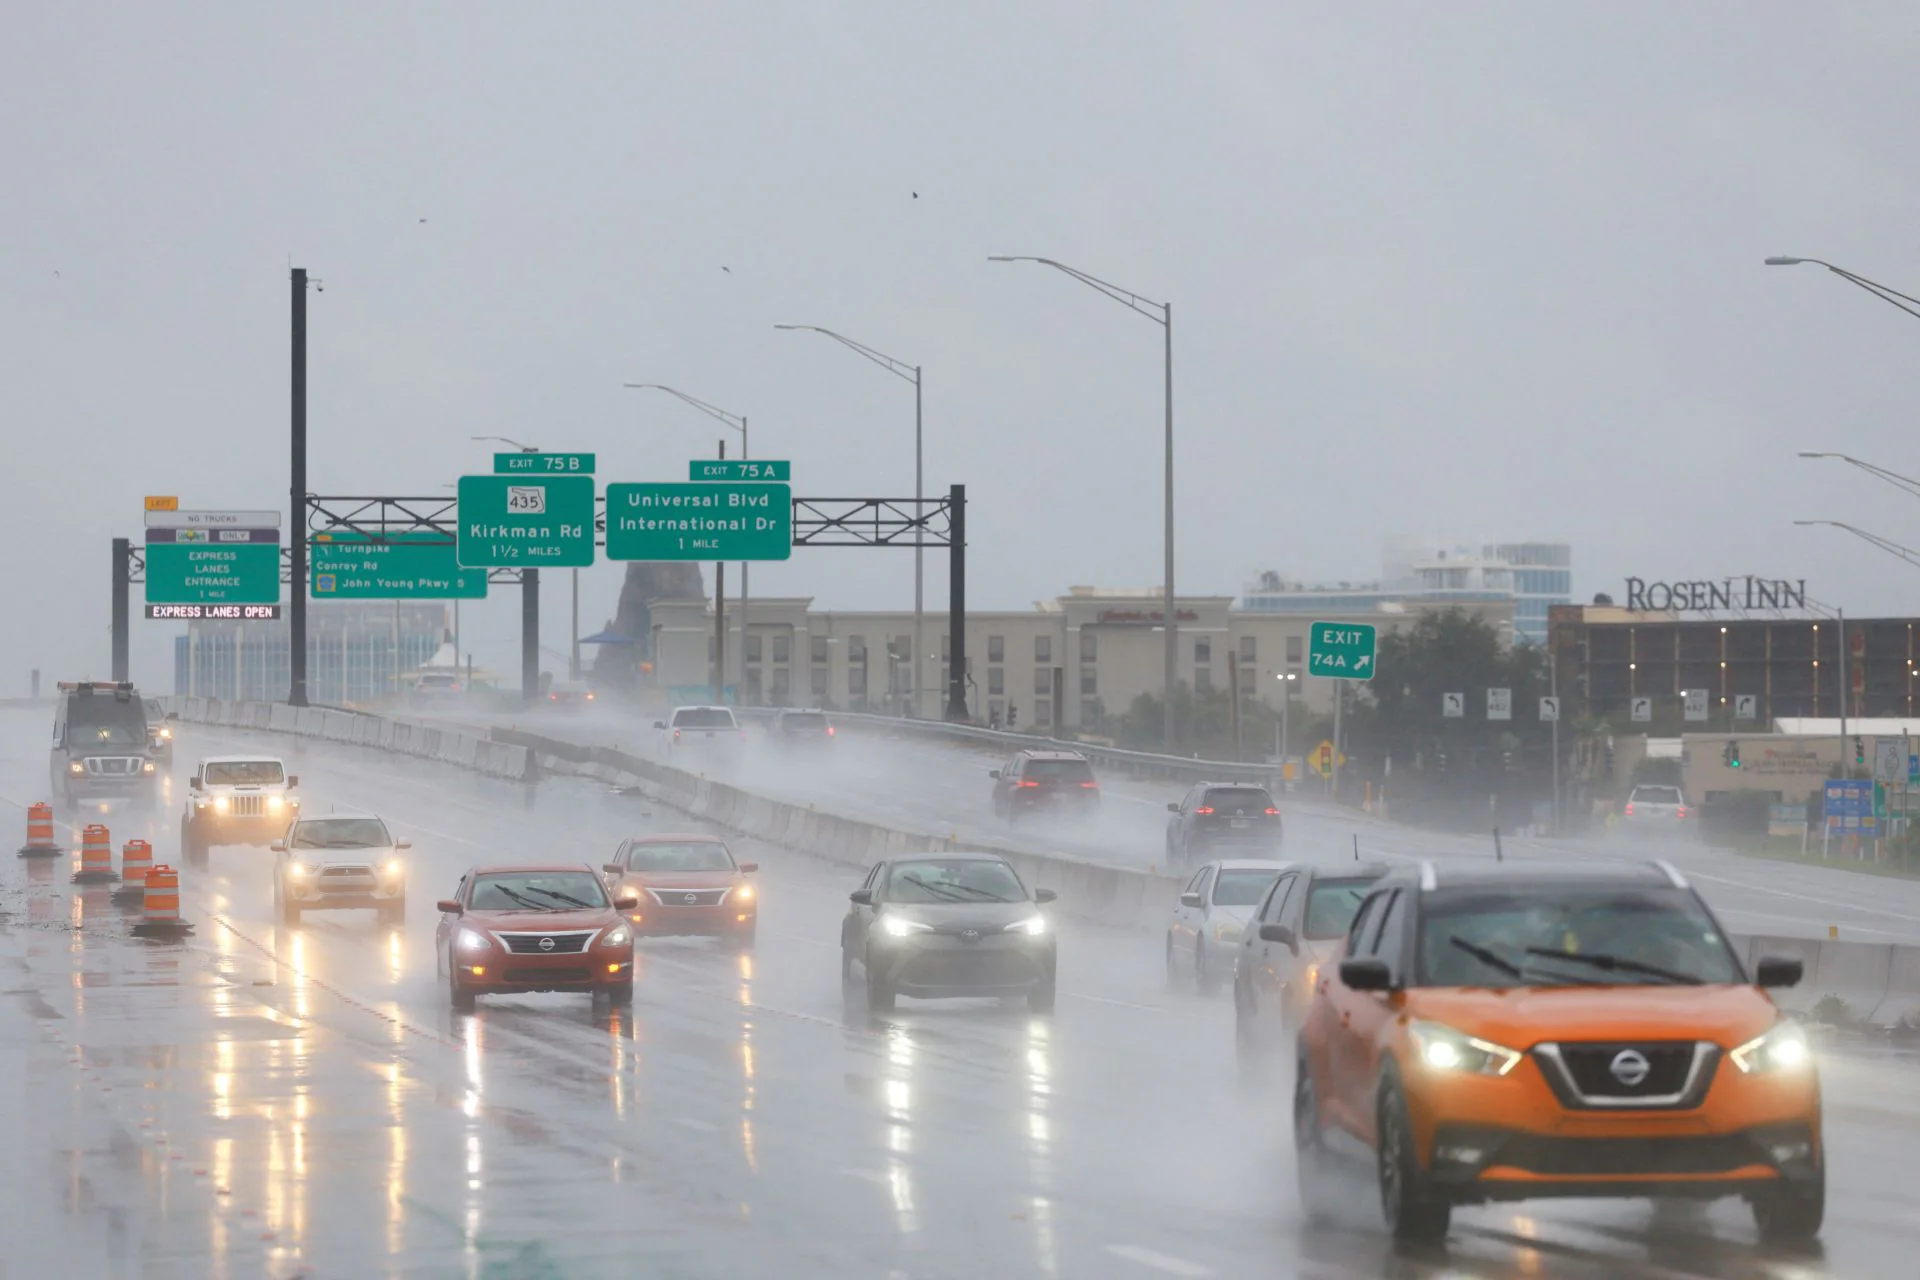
(96, 853)
(136, 860)
(39, 832)
(160, 911)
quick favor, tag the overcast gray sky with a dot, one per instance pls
(1467, 269)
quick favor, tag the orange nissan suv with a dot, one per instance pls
(1559, 1030)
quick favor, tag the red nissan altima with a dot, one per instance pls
(510, 929)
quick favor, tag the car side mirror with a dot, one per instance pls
(173, 715)
(1045, 895)
(1189, 899)
(1778, 971)
(994, 774)
(194, 782)
(1281, 934)
(861, 897)
(611, 868)
(747, 868)
(293, 779)
(403, 844)
(278, 846)
(625, 902)
(448, 906)
(659, 724)
(1366, 975)
(1173, 806)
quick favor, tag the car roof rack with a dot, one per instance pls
(97, 686)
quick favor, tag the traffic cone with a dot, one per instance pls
(39, 833)
(136, 859)
(161, 915)
(96, 856)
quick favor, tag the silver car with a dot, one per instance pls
(1210, 917)
(1653, 808)
(336, 861)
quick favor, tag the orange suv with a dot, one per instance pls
(1562, 1030)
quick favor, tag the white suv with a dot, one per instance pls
(699, 731)
(340, 860)
(236, 800)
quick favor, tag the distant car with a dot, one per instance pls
(569, 693)
(438, 686)
(938, 925)
(510, 929)
(236, 800)
(699, 731)
(160, 722)
(1296, 929)
(686, 884)
(1208, 919)
(1035, 782)
(1650, 808)
(1221, 815)
(800, 728)
(340, 861)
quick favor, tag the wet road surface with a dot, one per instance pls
(270, 1101)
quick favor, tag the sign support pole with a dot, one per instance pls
(529, 634)
(1339, 703)
(297, 505)
(122, 577)
(956, 603)
(1553, 681)
(720, 626)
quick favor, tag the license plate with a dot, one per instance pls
(1238, 824)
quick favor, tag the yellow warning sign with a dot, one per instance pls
(1320, 760)
(162, 503)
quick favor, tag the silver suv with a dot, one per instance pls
(340, 860)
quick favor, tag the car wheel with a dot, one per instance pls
(192, 852)
(1413, 1213)
(1205, 981)
(1041, 998)
(1173, 967)
(1246, 1033)
(1792, 1214)
(847, 983)
(1310, 1170)
(879, 994)
(461, 998)
(620, 995)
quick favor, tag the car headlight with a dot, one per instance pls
(221, 804)
(900, 926)
(74, 766)
(1441, 1048)
(468, 940)
(276, 803)
(618, 936)
(1226, 933)
(1034, 924)
(147, 767)
(1782, 1048)
(303, 869)
(392, 868)
(743, 893)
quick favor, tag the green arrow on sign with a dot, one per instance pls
(1341, 650)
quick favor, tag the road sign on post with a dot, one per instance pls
(1549, 709)
(542, 464)
(1499, 704)
(525, 522)
(724, 520)
(1642, 710)
(1324, 757)
(415, 565)
(213, 557)
(1341, 650)
(1453, 705)
(1694, 703)
(1746, 706)
(754, 469)
(1889, 760)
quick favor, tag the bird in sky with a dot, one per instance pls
(728, 270)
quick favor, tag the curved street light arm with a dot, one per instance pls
(1154, 311)
(524, 448)
(898, 368)
(1887, 545)
(733, 420)
(1894, 478)
(1892, 297)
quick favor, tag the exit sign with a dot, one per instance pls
(739, 469)
(1341, 650)
(542, 464)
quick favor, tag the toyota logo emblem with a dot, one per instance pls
(546, 944)
(691, 898)
(1630, 1067)
(970, 935)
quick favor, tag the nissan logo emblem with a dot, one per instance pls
(1630, 1067)
(691, 898)
(546, 944)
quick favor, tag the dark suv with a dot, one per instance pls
(798, 727)
(101, 746)
(1044, 782)
(1221, 815)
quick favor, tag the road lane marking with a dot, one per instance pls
(1158, 1261)
(868, 1175)
(1124, 1004)
(699, 1126)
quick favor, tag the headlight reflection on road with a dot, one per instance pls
(899, 1099)
(396, 1162)
(471, 1035)
(396, 955)
(1040, 1140)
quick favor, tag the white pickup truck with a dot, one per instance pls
(699, 731)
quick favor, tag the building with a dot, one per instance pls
(1067, 662)
(356, 652)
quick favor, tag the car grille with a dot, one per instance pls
(1595, 1075)
(547, 974)
(528, 944)
(967, 969)
(689, 897)
(114, 766)
(1602, 1157)
(246, 806)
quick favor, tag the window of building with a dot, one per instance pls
(1203, 649)
(1043, 680)
(1043, 711)
(753, 648)
(820, 678)
(779, 683)
(856, 648)
(1089, 712)
(857, 681)
(1089, 646)
(1089, 681)
(1043, 648)
(996, 680)
(996, 648)
(782, 647)
(1203, 679)
(1246, 651)
(710, 649)
(753, 686)
(1296, 646)
(819, 646)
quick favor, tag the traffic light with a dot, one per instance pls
(1730, 755)
(1859, 750)
(1607, 762)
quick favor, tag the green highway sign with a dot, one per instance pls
(718, 521)
(526, 522)
(1341, 650)
(213, 566)
(416, 565)
(542, 464)
(739, 469)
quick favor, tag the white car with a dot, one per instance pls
(1214, 908)
(437, 687)
(699, 731)
(337, 861)
(236, 800)
(1654, 808)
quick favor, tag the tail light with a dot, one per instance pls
(1629, 808)
(829, 731)
(1682, 812)
(743, 733)
(1028, 782)
(1272, 812)
(1091, 786)
(1205, 808)
(553, 697)
(676, 735)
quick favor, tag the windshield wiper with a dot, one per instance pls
(982, 894)
(1485, 956)
(523, 900)
(941, 889)
(1616, 964)
(564, 897)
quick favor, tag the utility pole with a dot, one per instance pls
(122, 577)
(529, 635)
(297, 501)
(1553, 683)
(720, 625)
(1339, 704)
(957, 604)
(1846, 769)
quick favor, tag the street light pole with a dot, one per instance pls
(911, 373)
(1894, 478)
(1892, 297)
(739, 423)
(1161, 313)
(1887, 545)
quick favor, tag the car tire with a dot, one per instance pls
(847, 982)
(1206, 982)
(1246, 1034)
(1310, 1164)
(879, 994)
(1792, 1214)
(192, 851)
(1414, 1215)
(460, 998)
(620, 995)
(1042, 998)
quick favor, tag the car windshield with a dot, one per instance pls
(695, 855)
(954, 880)
(804, 721)
(1059, 770)
(1655, 795)
(243, 773)
(1240, 887)
(153, 709)
(341, 833)
(1232, 799)
(536, 891)
(1562, 935)
(703, 718)
(118, 733)
(1331, 906)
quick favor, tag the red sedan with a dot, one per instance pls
(686, 884)
(534, 928)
